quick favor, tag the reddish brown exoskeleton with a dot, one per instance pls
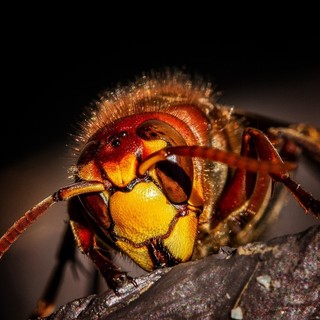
(166, 175)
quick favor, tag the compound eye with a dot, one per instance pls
(175, 174)
(88, 153)
(176, 183)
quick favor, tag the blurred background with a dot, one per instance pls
(49, 78)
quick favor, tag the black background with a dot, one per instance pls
(50, 73)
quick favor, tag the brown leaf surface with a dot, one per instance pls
(279, 279)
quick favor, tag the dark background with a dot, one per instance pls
(50, 76)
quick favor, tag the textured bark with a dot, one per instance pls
(279, 279)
